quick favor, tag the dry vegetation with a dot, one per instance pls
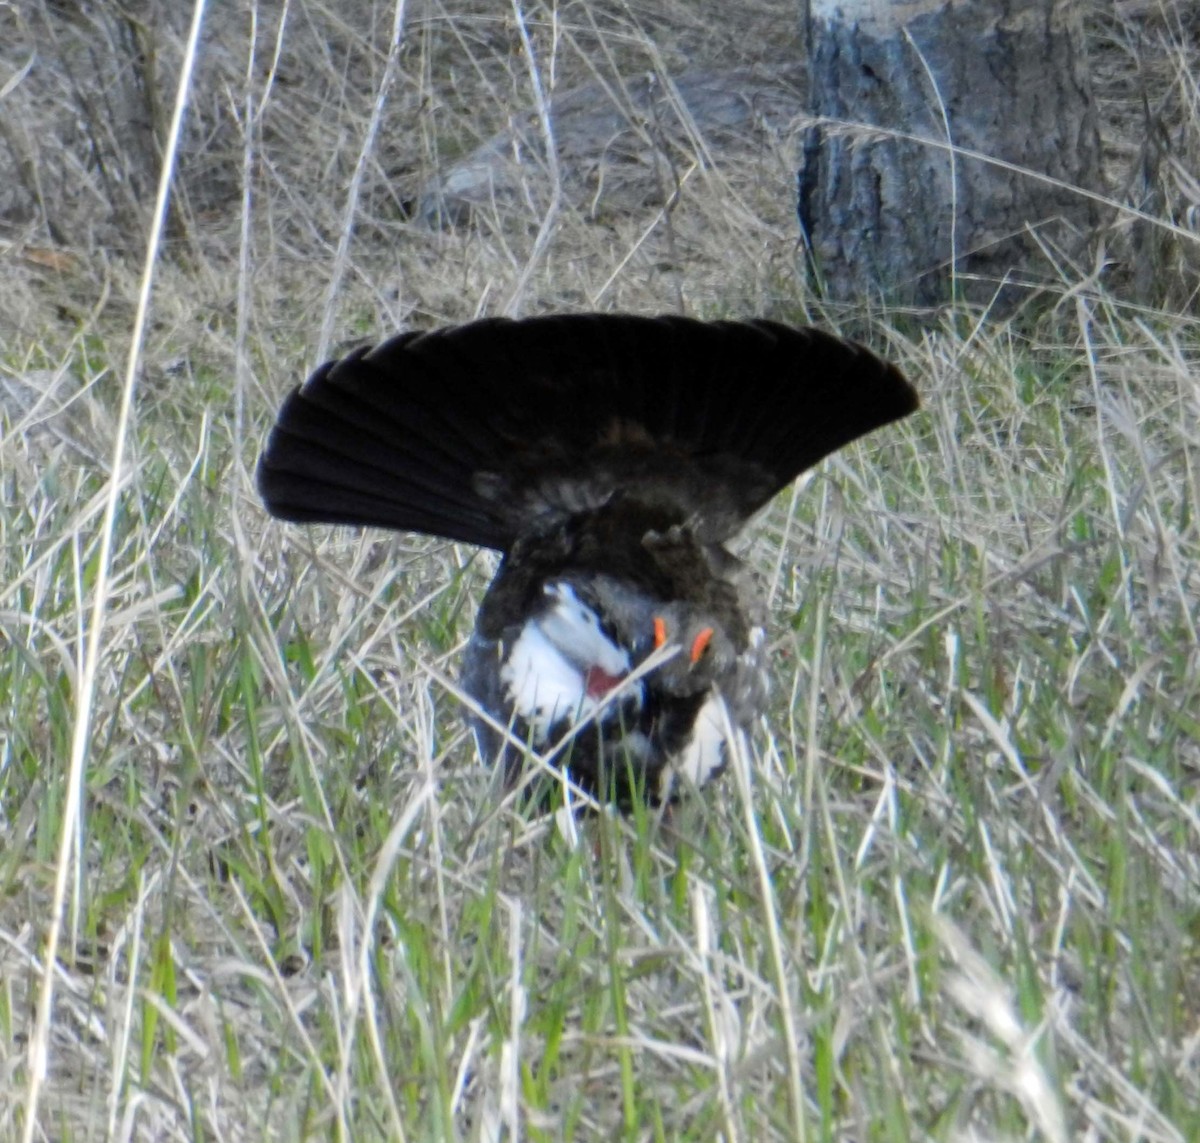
(956, 894)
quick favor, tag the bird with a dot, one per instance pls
(611, 460)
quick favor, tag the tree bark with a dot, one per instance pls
(890, 200)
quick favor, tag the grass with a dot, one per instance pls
(954, 894)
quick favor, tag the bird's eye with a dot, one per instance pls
(701, 644)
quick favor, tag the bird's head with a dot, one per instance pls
(642, 624)
(706, 653)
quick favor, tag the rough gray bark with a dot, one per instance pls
(886, 214)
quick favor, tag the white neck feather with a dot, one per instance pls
(574, 629)
(546, 670)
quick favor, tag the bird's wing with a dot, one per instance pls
(496, 429)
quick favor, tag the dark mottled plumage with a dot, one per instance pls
(610, 458)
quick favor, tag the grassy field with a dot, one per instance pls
(955, 892)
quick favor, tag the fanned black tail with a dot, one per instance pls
(453, 432)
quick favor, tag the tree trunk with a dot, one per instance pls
(886, 205)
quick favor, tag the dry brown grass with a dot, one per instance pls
(955, 895)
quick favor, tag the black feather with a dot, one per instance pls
(488, 431)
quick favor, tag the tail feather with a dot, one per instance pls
(333, 462)
(457, 432)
